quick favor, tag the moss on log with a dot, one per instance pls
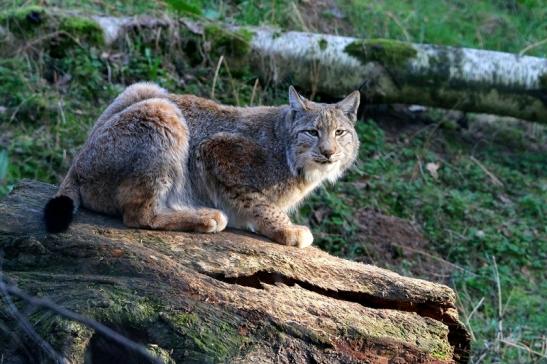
(228, 297)
(384, 51)
(28, 20)
(233, 43)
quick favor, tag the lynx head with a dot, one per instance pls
(322, 138)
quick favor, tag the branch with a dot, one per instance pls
(47, 304)
(28, 329)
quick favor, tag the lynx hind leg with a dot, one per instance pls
(144, 204)
(148, 215)
(146, 197)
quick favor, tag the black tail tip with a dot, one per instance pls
(58, 214)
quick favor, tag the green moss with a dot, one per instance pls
(230, 43)
(122, 307)
(162, 354)
(24, 19)
(276, 34)
(384, 51)
(214, 337)
(83, 29)
(61, 332)
(441, 352)
(29, 19)
(31, 14)
(34, 21)
(323, 44)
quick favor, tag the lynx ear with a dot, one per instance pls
(350, 104)
(297, 102)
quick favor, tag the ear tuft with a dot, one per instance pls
(350, 105)
(296, 101)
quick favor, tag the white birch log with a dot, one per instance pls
(397, 72)
(392, 72)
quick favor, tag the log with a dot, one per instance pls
(227, 297)
(465, 79)
(387, 71)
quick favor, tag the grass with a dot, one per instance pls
(468, 219)
(504, 25)
(496, 233)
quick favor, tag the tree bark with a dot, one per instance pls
(228, 297)
(464, 79)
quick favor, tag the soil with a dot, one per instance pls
(323, 16)
(399, 244)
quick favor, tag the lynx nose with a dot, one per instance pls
(327, 153)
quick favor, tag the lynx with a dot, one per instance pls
(181, 162)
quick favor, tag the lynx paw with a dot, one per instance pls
(295, 235)
(213, 221)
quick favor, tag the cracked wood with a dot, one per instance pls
(226, 297)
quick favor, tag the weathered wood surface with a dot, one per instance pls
(229, 297)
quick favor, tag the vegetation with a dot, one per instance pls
(481, 205)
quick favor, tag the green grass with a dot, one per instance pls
(469, 220)
(504, 25)
(49, 101)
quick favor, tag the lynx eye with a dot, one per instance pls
(312, 132)
(340, 132)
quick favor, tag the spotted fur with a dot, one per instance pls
(180, 162)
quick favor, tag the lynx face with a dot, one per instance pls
(323, 141)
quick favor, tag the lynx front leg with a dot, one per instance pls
(232, 166)
(271, 221)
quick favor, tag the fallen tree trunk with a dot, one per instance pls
(229, 297)
(398, 72)
(393, 72)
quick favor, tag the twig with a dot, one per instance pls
(468, 318)
(16, 110)
(495, 180)
(419, 164)
(158, 38)
(215, 77)
(253, 94)
(475, 308)
(523, 347)
(483, 355)
(299, 17)
(403, 29)
(25, 325)
(419, 251)
(532, 46)
(46, 37)
(499, 336)
(97, 326)
(62, 121)
(479, 37)
(272, 20)
(498, 286)
(232, 83)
